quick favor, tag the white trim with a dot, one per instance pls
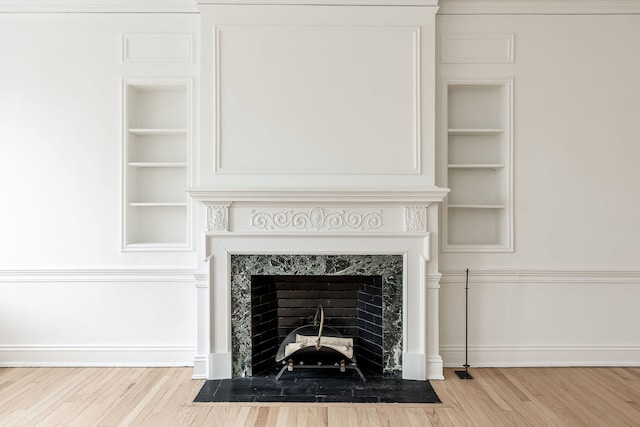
(98, 6)
(541, 356)
(98, 275)
(541, 276)
(425, 3)
(538, 7)
(425, 195)
(107, 356)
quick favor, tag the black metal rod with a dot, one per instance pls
(465, 375)
(466, 322)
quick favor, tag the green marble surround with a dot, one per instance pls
(390, 267)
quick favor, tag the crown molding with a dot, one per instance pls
(539, 7)
(98, 6)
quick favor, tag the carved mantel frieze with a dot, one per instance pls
(317, 219)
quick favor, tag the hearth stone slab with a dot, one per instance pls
(316, 386)
(387, 266)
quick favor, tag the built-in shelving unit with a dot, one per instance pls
(478, 212)
(157, 132)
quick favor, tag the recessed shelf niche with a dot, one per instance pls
(157, 125)
(478, 211)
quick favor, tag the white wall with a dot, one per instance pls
(567, 294)
(67, 293)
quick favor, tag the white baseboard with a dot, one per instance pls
(129, 356)
(542, 356)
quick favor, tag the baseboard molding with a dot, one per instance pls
(541, 356)
(97, 356)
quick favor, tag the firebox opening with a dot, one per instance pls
(282, 303)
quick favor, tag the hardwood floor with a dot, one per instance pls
(163, 397)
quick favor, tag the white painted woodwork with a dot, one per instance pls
(477, 117)
(564, 296)
(317, 97)
(156, 146)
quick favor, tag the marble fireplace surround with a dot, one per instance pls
(389, 267)
(321, 222)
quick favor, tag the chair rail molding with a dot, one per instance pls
(98, 6)
(527, 7)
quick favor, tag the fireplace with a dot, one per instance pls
(271, 295)
(282, 233)
(317, 138)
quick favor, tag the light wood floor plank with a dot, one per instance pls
(164, 397)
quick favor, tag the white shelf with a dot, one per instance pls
(158, 204)
(478, 157)
(459, 206)
(476, 166)
(475, 131)
(156, 246)
(156, 136)
(156, 131)
(158, 164)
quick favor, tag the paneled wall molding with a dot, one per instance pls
(533, 7)
(477, 48)
(98, 6)
(97, 275)
(70, 355)
(540, 356)
(541, 276)
(157, 48)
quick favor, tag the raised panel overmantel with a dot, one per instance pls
(318, 94)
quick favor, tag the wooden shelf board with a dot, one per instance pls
(474, 206)
(158, 164)
(158, 204)
(476, 166)
(158, 131)
(475, 131)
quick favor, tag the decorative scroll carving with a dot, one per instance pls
(317, 219)
(217, 218)
(415, 218)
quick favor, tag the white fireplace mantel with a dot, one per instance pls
(317, 136)
(263, 222)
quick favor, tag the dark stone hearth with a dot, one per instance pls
(318, 386)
